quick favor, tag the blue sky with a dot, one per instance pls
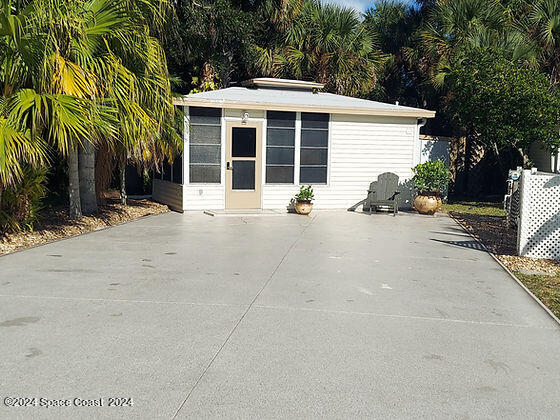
(359, 5)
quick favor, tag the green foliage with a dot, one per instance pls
(502, 104)
(210, 40)
(83, 71)
(21, 202)
(431, 176)
(325, 43)
(305, 194)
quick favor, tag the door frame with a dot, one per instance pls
(236, 199)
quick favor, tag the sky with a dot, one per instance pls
(359, 5)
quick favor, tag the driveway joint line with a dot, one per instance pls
(266, 283)
(416, 317)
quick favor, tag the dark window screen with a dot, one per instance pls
(314, 148)
(243, 175)
(280, 147)
(244, 142)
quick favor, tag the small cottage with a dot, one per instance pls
(253, 145)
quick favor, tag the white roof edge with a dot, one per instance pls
(396, 111)
(284, 83)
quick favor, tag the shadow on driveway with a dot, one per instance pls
(463, 244)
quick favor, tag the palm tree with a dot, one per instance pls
(545, 17)
(326, 43)
(83, 73)
(455, 26)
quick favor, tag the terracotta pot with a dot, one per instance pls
(427, 203)
(303, 207)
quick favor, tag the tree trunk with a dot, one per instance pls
(86, 158)
(122, 177)
(503, 171)
(74, 184)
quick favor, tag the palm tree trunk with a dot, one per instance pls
(86, 159)
(122, 177)
(74, 184)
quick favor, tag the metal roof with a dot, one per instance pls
(296, 99)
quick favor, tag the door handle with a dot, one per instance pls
(228, 166)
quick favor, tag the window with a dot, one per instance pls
(280, 146)
(314, 148)
(205, 139)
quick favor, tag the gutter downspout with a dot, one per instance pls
(421, 123)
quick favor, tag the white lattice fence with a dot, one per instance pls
(539, 219)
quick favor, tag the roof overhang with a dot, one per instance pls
(207, 103)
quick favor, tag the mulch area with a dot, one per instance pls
(55, 223)
(501, 240)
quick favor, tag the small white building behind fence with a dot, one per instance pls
(538, 232)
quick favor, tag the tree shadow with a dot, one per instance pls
(472, 244)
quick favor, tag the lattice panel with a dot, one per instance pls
(539, 227)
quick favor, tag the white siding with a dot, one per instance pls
(361, 148)
(204, 197)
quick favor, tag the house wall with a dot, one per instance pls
(542, 158)
(360, 148)
(434, 148)
(169, 193)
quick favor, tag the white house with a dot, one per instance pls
(252, 146)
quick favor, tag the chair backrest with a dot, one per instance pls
(387, 185)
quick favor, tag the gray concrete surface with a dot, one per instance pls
(340, 315)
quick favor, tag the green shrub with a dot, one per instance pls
(21, 203)
(305, 194)
(431, 176)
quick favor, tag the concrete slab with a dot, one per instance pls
(340, 315)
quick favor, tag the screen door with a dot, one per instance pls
(243, 166)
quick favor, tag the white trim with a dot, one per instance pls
(329, 146)
(263, 156)
(230, 104)
(297, 149)
(223, 134)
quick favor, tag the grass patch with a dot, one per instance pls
(546, 288)
(475, 207)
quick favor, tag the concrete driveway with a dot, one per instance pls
(341, 315)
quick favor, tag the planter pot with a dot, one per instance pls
(427, 203)
(303, 207)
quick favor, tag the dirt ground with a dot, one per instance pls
(501, 240)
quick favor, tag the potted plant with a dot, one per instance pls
(430, 179)
(304, 198)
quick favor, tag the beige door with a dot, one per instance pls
(243, 165)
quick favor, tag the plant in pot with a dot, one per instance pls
(304, 198)
(430, 179)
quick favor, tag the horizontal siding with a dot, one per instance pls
(361, 148)
(168, 193)
(203, 197)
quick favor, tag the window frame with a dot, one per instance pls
(294, 149)
(327, 165)
(188, 143)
